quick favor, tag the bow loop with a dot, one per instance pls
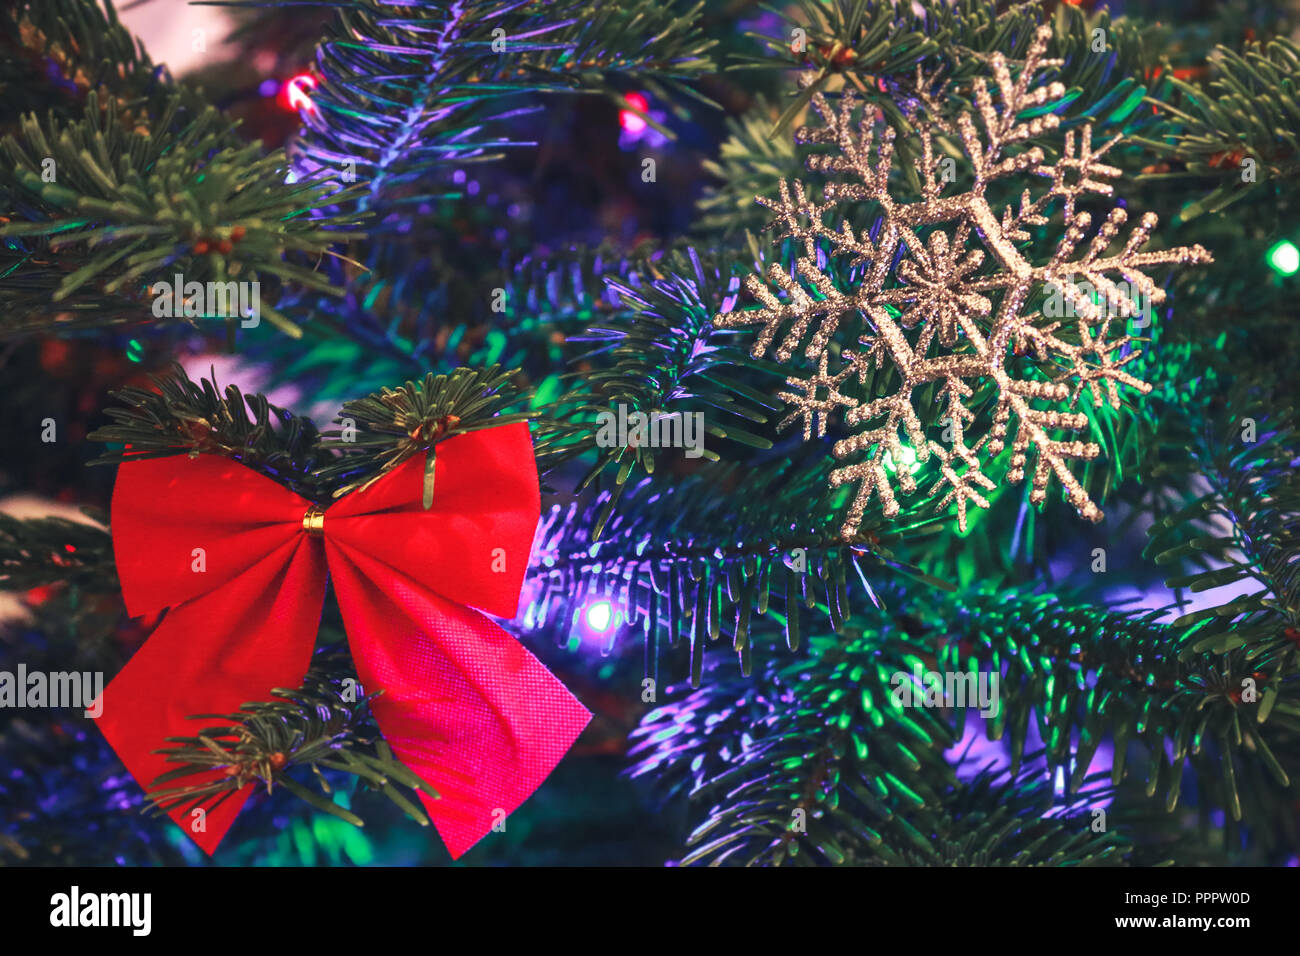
(183, 527)
(472, 545)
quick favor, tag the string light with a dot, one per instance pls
(629, 119)
(599, 616)
(908, 460)
(296, 93)
(1284, 258)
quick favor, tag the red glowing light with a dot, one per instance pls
(295, 94)
(39, 595)
(628, 119)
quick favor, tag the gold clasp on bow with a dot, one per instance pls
(313, 520)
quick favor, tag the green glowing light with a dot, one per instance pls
(908, 458)
(1284, 258)
(134, 350)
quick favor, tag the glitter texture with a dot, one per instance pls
(946, 313)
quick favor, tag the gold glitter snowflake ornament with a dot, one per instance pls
(952, 311)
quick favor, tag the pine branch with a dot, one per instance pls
(800, 770)
(97, 210)
(1087, 674)
(751, 162)
(814, 763)
(1247, 111)
(664, 362)
(1084, 675)
(691, 559)
(1004, 818)
(180, 416)
(66, 800)
(54, 53)
(382, 331)
(323, 725)
(405, 88)
(35, 552)
(407, 91)
(881, 48)
(1245, 532)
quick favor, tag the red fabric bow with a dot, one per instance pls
(464, 705)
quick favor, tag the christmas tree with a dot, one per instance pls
(875, 415)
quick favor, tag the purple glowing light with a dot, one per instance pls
(599, 616)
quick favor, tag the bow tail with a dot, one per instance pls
(211, 655)
(465, 705)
